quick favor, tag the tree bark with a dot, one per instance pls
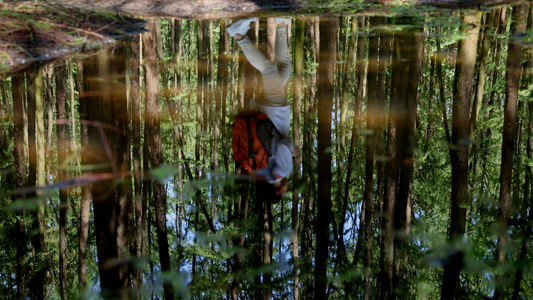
(326, 68)
(308, 205)
(383, 90)
(442, 96)
(372, 127)
(343, 198)
(361, 80)
(527, 230)
(72, 95)
(296, 115)
(36, 176)
(510, 124)
(481, 72)
(62, 152)
(413, 50)
(136, 142)
(152, 123)
(220, 92)
(96, 98)
(85, 200)
(463, 83)
(268, 244)
(392, 170)
(19, 162)
(48, 114)
(122, 158)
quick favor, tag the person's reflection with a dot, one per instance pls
(273, 104)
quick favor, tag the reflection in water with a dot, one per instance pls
(407, 182)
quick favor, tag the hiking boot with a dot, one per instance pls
(240, 27)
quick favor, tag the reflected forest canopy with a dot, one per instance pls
(411, 138)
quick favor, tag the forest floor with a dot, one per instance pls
(216, 9)
(34, 33)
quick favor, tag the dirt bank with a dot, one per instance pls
(36, 33)
(216, 9)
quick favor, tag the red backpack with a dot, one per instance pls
(248, 152)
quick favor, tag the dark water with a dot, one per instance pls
(413, 145)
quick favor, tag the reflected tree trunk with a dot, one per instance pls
(85, 200)
(38, 239)
(296, 116)
(431, 96)
(122, 156)
(361, 73)
(268, 249)
(36, 176)
(72, 94)
(220, 93)
(257, 237)
(19, 162)
(200, 98)
(4, 133)
(527, 230)
(510, 124)
(306, 266)
(392, 171)
(343, 199)
(136, 142)
(385, 50)
(326, 68)
(152, 123)
(463, 84)
(95, 98)
(48, 88)
(108, 154)
(481, 72)
(62, 152)
(241, 214)
(371, 125)
(226, 60)
(442, 96)
(413, 50)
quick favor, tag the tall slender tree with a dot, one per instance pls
(36, 177)
(296, 115)
(510, 125)
(153, 128)
(326, 68)
(97, 97)
(528, 184)
(308, 201)
(398, 89)
(136, 129)
(414, 49)
(463, 83)
(85, 197)
(372, 113)
(19, 161)
(343, 198)
(62, 148)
